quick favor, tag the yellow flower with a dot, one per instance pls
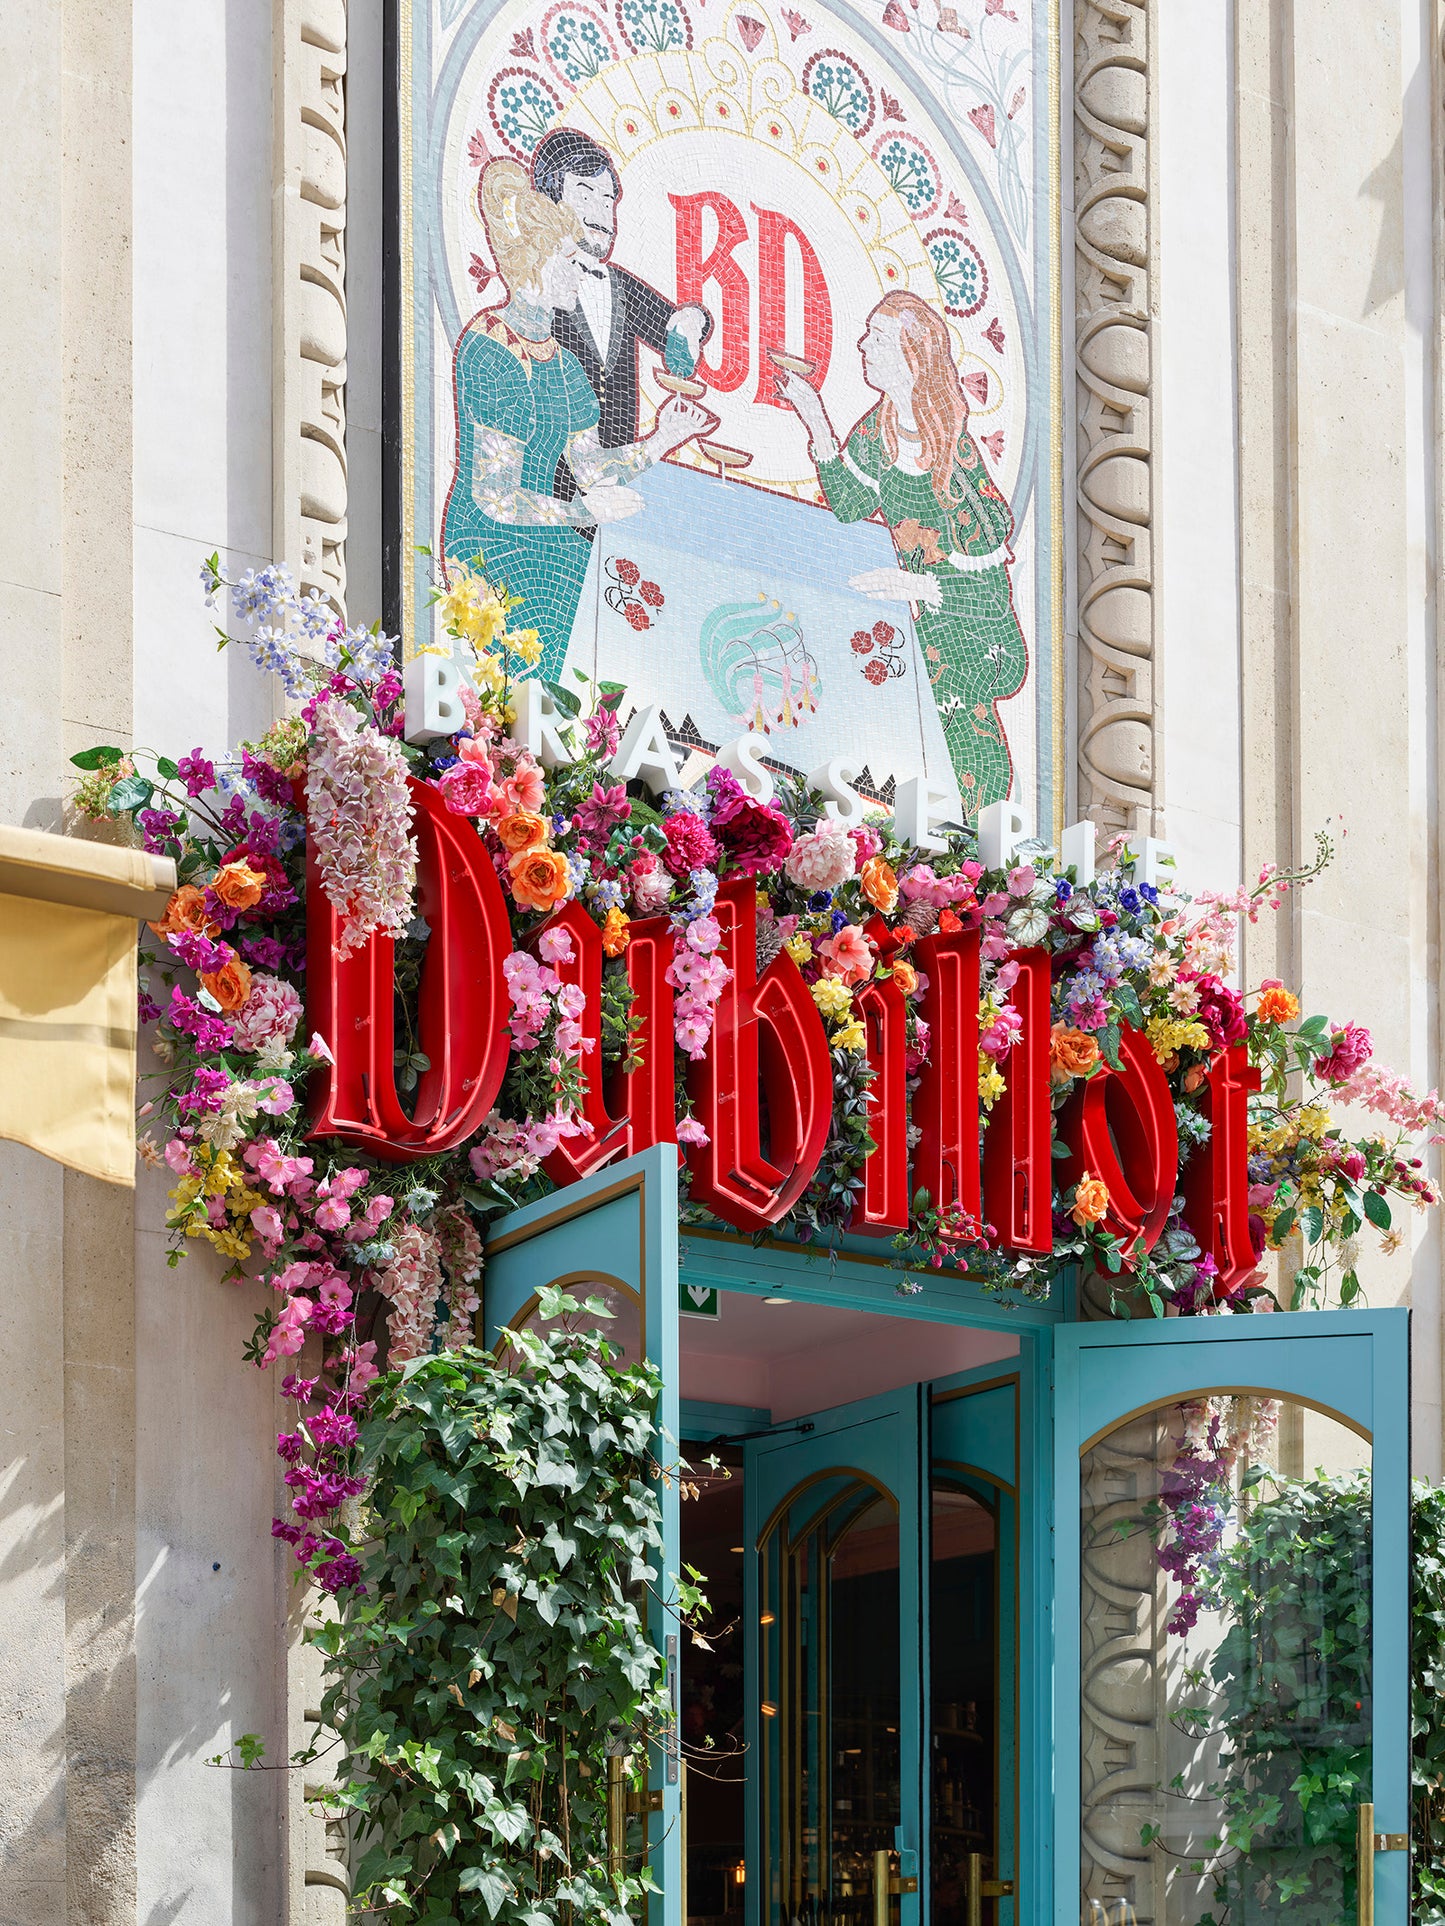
(229, 1243)
(472, 609)
(1313, 1122)
(1169, 1035)
(991, 1085)
(526, 646)
(832, 996)
(487, 675)
(800, 949)
(851, 1036)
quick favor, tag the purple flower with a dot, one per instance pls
(206, 1092)
(196, 773)
(210, 1033)
(147, 1009)
(157, 826)
(269, 784)
(233, 818)
(198, 952)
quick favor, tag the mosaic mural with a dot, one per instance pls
(729, 343)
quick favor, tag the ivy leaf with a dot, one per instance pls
(495, 1888)
(98, 757)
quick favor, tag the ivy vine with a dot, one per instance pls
(500, 1650)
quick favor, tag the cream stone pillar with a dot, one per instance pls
(1338, 186)
(67, 1486)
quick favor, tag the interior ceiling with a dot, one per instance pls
(792, 1358)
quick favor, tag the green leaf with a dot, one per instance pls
(1312, 1224)
(98, 757)
(129, 794)
(565, 699)
(495, 1888)
(1377, 1209)
(167, 768)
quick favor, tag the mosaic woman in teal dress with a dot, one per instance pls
(913, 460)
(524, 404)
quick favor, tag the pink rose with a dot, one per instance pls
(824, 859)
(467, 788)
(1351, 1048)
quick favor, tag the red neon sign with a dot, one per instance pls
(764, 1088)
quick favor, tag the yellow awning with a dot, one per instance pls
(68, 914)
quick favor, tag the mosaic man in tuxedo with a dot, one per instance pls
(615, 310)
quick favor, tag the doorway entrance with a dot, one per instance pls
(852, 1735)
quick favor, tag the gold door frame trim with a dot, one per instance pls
(814, 1478)
(1195, 1393)
(560, 1283)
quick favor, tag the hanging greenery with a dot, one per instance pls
(499, 1649)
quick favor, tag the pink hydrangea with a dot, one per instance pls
(271, 1013)
(824, 859)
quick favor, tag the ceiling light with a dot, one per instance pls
(777, 1300)
(736, 1550)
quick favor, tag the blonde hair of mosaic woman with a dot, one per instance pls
(524, 228)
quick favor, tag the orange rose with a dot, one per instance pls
(540, 878)
(239, 886)
(905, 976)
(615, 933)
(879, 884)
(522, 831)
(1091, 1200)
(230, 985)
(1277, 1005)
(1072, 1053)
(186, 911)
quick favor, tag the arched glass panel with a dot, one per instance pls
(1226, 1676)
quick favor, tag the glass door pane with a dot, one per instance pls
(964, 1700)
(1226, 1664)
(1232, 1529)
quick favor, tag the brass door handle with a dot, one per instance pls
(976, 1889)
(887, 1885)
(1368, 1843)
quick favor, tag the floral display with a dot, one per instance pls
(381, 1263)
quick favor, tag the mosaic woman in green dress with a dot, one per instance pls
(912, 461)
(523, 404)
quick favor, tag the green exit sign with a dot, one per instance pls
(697, 1300)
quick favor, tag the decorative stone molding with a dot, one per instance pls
(309, 279)
(1119, 737)
(1122, 1676)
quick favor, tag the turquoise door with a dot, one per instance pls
(1232, 1688)
(833, 1536)
(884, 1561)
(614, 1236)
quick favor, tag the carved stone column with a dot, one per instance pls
(309, 274)
(1119, 736)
